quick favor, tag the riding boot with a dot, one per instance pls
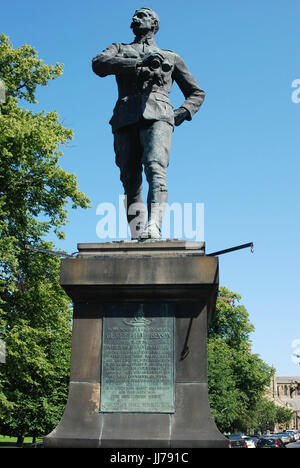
(156, 207)
(136, 215)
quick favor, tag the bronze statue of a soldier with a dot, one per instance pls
(143, 119)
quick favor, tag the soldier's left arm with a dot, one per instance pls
(194, 95)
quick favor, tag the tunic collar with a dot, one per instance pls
(149, 40)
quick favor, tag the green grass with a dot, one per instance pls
(12, 441)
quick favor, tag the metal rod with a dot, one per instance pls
(51, 252)
(243, 246)
(185, 351)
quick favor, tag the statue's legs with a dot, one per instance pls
(128, 151)
(145, 143)
(156, 139)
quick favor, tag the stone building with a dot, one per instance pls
(285, 392)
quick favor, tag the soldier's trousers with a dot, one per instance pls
(144, 144)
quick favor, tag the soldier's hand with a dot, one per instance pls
(180, 116)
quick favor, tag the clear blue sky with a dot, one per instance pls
(239, 156)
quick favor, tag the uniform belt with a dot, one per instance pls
(141, 93)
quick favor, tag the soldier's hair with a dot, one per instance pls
(153, 16)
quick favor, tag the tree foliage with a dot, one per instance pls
(237, 378)
(35, 314)
(284, 416)
(38, 339)
(265, 414)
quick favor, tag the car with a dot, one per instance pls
(255, 439)
(237, 441)
(281, 438)
(270, 442)
(284, 437)
(251, 442)
(291, 435)
(296, 434)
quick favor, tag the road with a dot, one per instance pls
(294, 444)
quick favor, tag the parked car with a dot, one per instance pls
(270, 442)
(291, 435)
(281, 438)
(237, 441)
(284, 437)
(251, 442)
(255, 439)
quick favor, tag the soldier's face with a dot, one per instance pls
(142, 22)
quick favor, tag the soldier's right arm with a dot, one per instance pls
(110, 62)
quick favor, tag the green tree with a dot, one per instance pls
(223, 394)
(284, 416)
(237, 378)
(231, 322)
(265, 413)
(35, 316)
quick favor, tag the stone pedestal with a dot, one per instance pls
(138, 366)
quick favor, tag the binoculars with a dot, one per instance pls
(157, 61)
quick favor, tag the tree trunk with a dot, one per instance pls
(20, 440)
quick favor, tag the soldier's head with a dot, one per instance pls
(144, 20)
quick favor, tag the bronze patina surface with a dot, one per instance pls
(138, 358)
(143, 119)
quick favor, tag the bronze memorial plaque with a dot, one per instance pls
(137, 372)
